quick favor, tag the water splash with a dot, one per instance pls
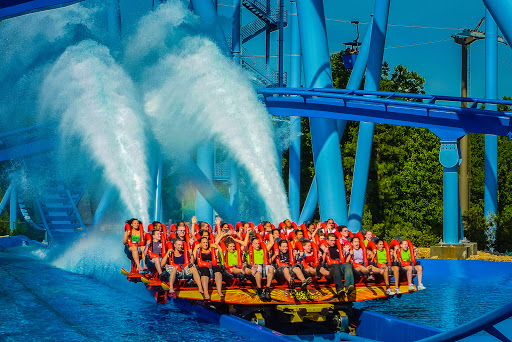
(28, 46)
(98, 255)
(193, 93)
(97, 103)
(490, 231)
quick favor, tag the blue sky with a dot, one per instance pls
(438, 63)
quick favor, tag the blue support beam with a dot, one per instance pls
(233, 187)
(365, 136)
(324, 133)
(449, 157)
(192, 173)
(5, 199)
(208, 13)
(205, 162)
(114, 25)
(158, 192)
(235, 32)
(103, 205)
(295, 124)
(356, 77)
(491, 141)
(13, 207)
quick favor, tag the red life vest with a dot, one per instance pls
(127, 227)
(399, 253)
(263, 247)
(312, 260)
(202, 263)
(328, 259)
(278, 259)
(178, 266)
(225, 256)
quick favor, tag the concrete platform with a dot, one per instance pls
(447, 251)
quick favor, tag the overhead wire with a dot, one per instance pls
(366, 23)
(501, 60)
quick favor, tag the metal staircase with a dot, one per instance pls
(267, 20)
(57, 208)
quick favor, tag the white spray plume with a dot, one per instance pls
(96, 101)
(194, 93)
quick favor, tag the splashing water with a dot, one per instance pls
(193, 93)
(97, 255)
(97, 102)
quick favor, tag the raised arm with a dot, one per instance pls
(270, 242)
(217, 225)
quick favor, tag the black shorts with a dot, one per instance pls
(209, 272)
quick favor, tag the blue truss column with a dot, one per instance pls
(235, 32)
(103, 205)
(365, 137)
(491, 141)
(449, 157)
(5, 199)
(324, 132)
(205, 162)
(295, 124)
(114, 25)
(207, 11)
(158, 191)
(233, 188)
(13, 206)
(235, 47)
(356, 77)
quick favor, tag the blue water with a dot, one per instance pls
(454, 295)
(39, 301)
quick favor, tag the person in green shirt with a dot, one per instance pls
(259, 267)
(233, 259)
(405, 254)
(381, 266)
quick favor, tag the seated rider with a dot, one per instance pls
(155, 252)
(405, 256)
(259, 266)
(287, 228)
(312, 232)
(180, 267)
(181, 233)
(286, 267)
(367, 238)
(334, 262)
(344, 234)
(234, 263)
(309, 259)
(381, 266)
(330, 227)
(357, 255)
(133, 240)
(206, 257)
